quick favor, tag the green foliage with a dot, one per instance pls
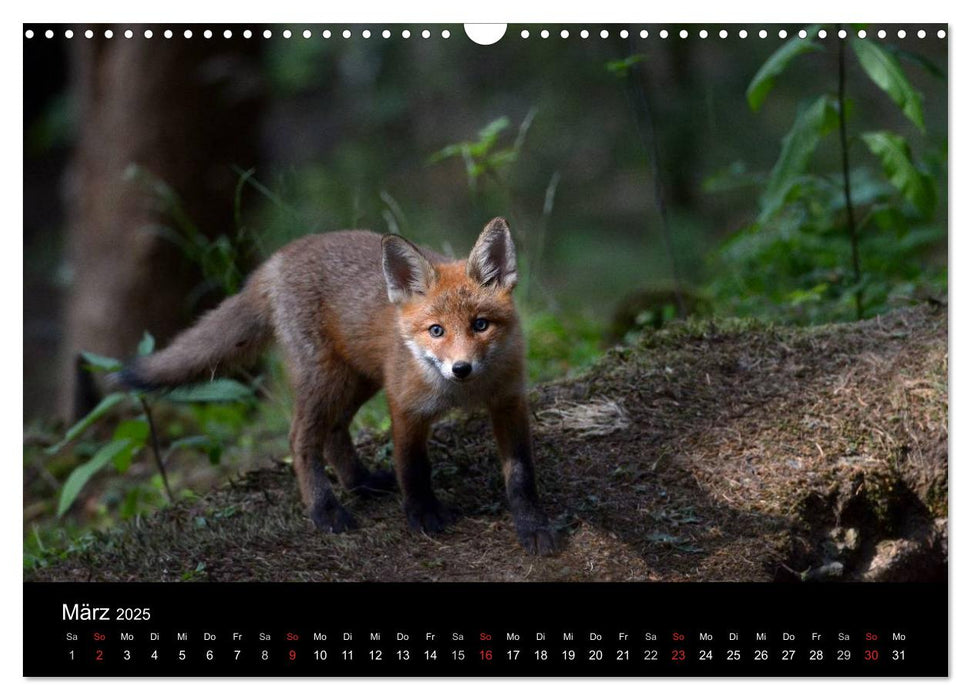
(622, 68)
(558, 344)
(483, 156)
(220, 258)
(886, 72)
(763, 81)
(793, 262)
(133, 436)
(916, 185)
(216, 391)
(812, 123)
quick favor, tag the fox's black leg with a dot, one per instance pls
(338, 446)
(422, 509)
(510, 421)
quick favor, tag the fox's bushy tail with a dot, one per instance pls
(231, 335)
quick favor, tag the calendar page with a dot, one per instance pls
(357, 350)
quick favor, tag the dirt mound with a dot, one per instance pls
(709, 451)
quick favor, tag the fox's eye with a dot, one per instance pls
(436, 331)
(480, 324)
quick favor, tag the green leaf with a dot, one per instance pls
(916, 187)
(100, 363)
(136, 432)
(885, 71)
(204, 443)
(107, 403)
(621, 68)
(812, 123)
(147, 344)
(763, 81)
(916, 59)
(218, 390)
(80, 476)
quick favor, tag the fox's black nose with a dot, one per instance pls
(461, 369)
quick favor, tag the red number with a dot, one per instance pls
(293, 655)
(677, 655)
(99, 655)
(871, 654)
(485, 654)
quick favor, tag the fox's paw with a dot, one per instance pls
(332, 517)
(377, 483)
(428, 516)
(536, 535)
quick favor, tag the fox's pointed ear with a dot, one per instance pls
(406, 270)
(492, 261)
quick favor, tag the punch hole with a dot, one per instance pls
(128, 34)
(247, 34)
(29, 34)
(168, 34)
(624, 34)
(921, 33)
(69, 34)
(207, 34)
(187, 33)
(763, 34)
(643, 34)
(524, 34)
(683, 33)
(346, 34)
(485, 34)
(267, 33)
(386, 34)
(941, 34)
(50, 34)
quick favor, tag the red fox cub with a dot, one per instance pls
(353, 312)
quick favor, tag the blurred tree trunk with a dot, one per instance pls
(183, 111)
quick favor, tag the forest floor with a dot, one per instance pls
(707, 451)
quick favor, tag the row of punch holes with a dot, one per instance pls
(445, 33)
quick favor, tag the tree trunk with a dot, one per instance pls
(184, 112)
